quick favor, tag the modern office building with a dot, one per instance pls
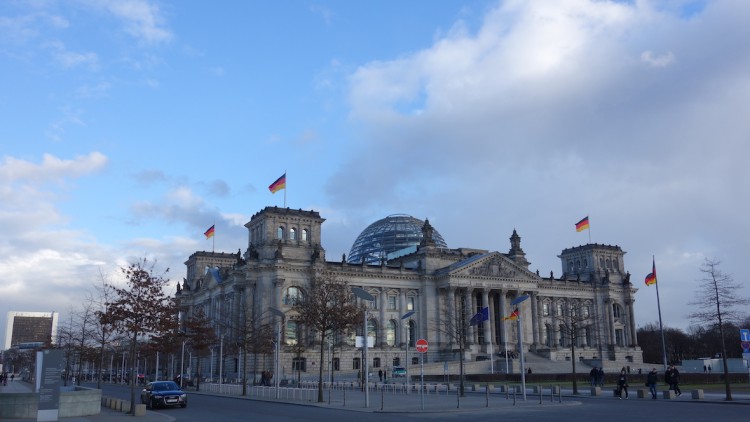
(27, 329)
(407, 266)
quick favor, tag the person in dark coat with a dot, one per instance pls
(672, 377)
(622, 384)
(651, 382)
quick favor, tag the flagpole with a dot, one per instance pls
(589, 229)
(285, 188)
(661, 328)
(213, 239)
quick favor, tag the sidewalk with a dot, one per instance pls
(106, 415)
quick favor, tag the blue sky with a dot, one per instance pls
(129, 127)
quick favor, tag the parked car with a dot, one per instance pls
(162, 394)
(398, 372)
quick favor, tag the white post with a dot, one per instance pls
(520, 356)
(221, 362)
(156, 377)
(182, 364)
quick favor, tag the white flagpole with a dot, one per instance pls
(658, 307)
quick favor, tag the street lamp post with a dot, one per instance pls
(406, 325)
(362, 294)
(182, 364)
(277, 351)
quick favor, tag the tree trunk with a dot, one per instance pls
(320, 369)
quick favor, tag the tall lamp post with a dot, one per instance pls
(182, 364)
(406, 325)
(362, 294)
(277, 350)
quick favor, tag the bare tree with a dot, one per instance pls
(141, 308)
(201, 334)
(326, 307)
(254, 336)
(103, 329)
(455, 327)
(573, 327)
(716, 303)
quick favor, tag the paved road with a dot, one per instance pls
(391, 407)
(296, 405)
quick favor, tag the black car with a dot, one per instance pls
(163, 393)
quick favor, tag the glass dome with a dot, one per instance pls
(383, 237)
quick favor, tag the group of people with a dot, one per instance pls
(597, 377)
(4, 378)
(382, 375)
(671, 378)
(266, 377)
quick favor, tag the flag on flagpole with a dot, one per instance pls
(279, 184)
(583, 224)
(210, 232)
(651, 278)
(480, 316)
(513, 316)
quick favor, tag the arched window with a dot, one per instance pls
(292, 296)
(578, 263)
(547, 335)
(390, 333)
(280, 233)
(585, 263)
(293, 234)
(305, 235)
(601, 262)
(571, 268)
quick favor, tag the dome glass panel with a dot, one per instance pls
(388, 235)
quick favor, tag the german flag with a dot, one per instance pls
(210, 232)
(651, 277)
(279, 184)
(513, 316)
(583, 224)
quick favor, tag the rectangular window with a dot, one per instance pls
(410, 303)
(299, 364)
(336, 363)
(355, 363)
(391, 303)
(545, 309)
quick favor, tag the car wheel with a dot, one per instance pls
(183, 405)
(152, 402)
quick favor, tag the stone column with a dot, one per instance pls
(486, 325)
(534, 320)
(381, 323)
(555, 325)
(503, 314)
(610, 322)
(403, 332)
(470, 338)
(451, 299)
(631, 323)
(493, 320)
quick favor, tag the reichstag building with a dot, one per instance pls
(406, 265)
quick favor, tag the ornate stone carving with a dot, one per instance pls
(494, 267)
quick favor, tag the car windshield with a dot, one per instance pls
(164, 386)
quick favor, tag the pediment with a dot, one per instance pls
(491, 265)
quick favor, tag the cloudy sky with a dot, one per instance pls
(129, 127)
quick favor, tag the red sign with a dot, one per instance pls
(422, 345)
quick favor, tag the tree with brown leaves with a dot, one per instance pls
(141, 308)
(326, 307)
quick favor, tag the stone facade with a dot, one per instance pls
(441, 285)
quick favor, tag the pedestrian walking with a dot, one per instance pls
(601, 377)
(672, 377)
(651, 380)
(594, 374)
(622, 383)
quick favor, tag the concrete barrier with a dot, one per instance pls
(596, 391)
(697, 394)
(79, 401)
(669, 394)
(642, 393)
(140, 410)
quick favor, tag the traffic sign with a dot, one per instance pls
(422, 345)
(744, 334)
(745, 346)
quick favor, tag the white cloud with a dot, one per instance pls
(142, 19)
(654, 60)
(50, 169)
(547, 113)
